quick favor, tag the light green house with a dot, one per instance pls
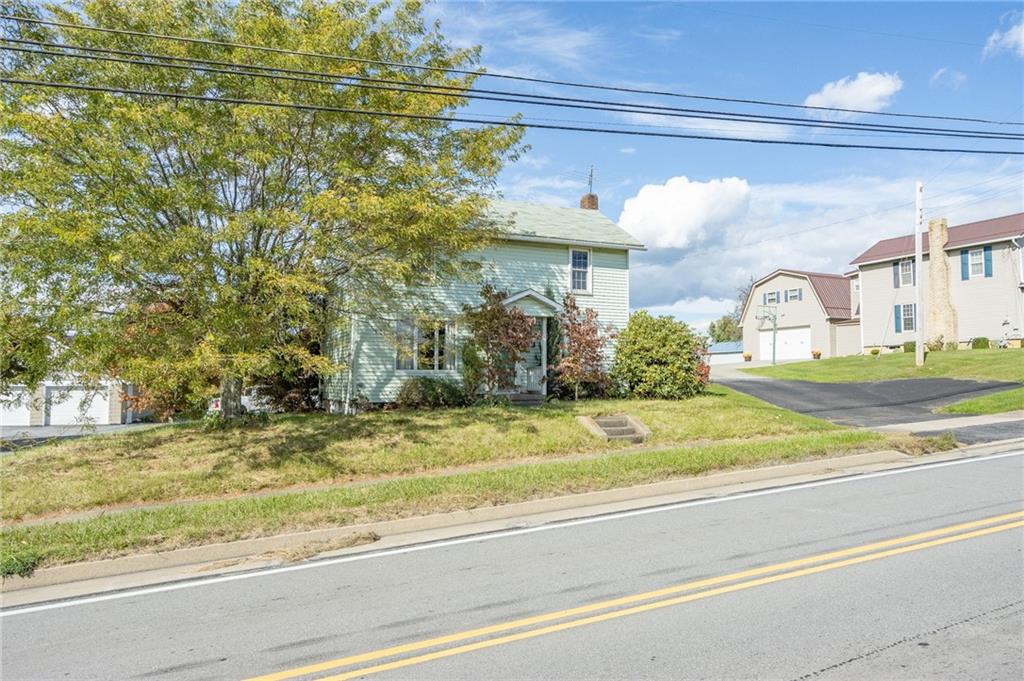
(546, 252)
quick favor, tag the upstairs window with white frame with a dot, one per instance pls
(977, 262)
(580, 270)
(423, 346)
(771, 298)
(906, 273)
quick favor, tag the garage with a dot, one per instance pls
(791, 343)
(18, 412)
(71, 405)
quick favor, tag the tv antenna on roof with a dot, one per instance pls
(590, 181)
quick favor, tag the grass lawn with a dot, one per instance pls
(27, 547)
(1006, 400)
(186, 462)
(982, 365)
(406, 464)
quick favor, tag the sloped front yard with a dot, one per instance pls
(378, 466)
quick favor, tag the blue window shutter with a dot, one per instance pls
(896, 274)
(965, 265)
(764, 298)
(800, 294)
(899, 319)
(988, 261)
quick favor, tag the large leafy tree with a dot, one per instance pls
(725, 329)
(180, 243)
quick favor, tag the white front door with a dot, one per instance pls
(794, 343)
(71, 405)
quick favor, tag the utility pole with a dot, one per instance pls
(919, 274)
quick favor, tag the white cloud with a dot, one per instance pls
(1009, 40)
(627, 150)
(949, 78)
(709, 126)
(865, 91)
(535, 162)
(518, 32)
(697, 312)
(674, 214)
(818, 225)
(553, 190)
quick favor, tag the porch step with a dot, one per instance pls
(526, 399)
(616, 428)
(607, 422)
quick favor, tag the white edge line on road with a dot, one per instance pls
(485, 536)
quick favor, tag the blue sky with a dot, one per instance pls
(716, 213)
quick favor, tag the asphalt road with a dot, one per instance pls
(928, 582)
(879, 403)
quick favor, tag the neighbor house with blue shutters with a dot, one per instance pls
(975, 289)
(544, 253)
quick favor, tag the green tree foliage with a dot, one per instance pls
(179, 244)
(501, 334)
(660, 358)
(725, 329)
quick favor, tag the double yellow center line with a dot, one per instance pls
(648, 601)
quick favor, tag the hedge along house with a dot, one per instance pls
(813, 311)
(975, 290)
(546, 252)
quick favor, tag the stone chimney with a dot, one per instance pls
(589, 201)
(941, 318)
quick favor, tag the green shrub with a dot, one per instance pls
(910, 346)
(980, 343)
(473, 370)
(659, 358)
(876, 351)
(427, 392)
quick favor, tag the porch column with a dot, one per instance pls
(544, 356)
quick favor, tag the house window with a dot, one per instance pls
(977, 260)
(771, 298)
(794, 294)
(906, 273)
(423, 346)
(908, 318)
(579, 271)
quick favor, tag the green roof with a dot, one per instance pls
(557, 224)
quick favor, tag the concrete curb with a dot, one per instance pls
(247, 548)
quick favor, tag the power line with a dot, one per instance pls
(514, 124)
(479, 73)
(472, 93)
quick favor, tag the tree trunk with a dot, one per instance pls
(230, 396)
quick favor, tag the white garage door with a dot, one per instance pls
(792, 343)
(70, 405)
(18, 414)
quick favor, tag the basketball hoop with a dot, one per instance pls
(767, 312)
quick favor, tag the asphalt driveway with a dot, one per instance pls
(879, 403)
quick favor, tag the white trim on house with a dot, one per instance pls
(530, 293)
(571, 242)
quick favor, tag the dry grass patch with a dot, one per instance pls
(186, 462)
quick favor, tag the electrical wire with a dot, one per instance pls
(471, 93)
(484, 73)
(509, 123)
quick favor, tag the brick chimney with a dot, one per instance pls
(589, 201)
(941, 315)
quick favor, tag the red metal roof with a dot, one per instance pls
(985, 231)
(833, 290)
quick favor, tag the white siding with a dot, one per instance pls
(800, 313)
